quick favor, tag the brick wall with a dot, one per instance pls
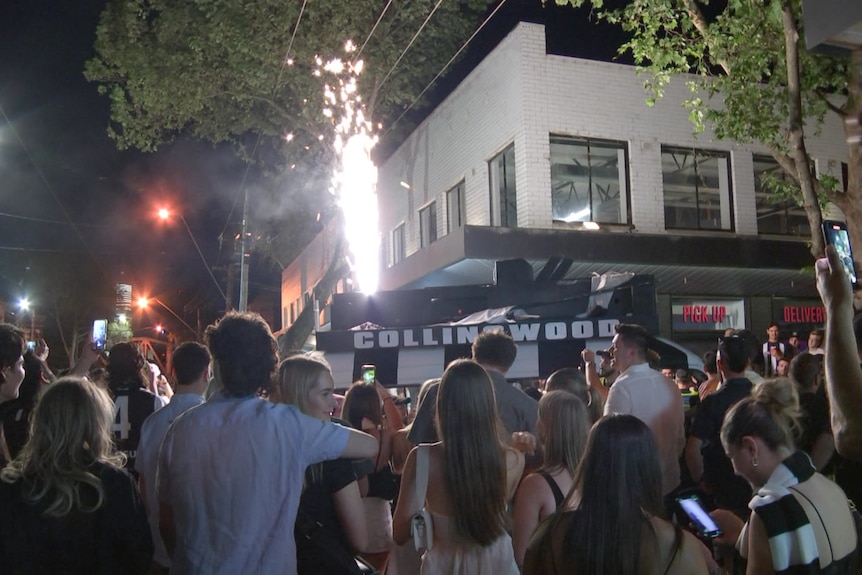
(520, 94)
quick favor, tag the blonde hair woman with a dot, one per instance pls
(800, 521)
(563, 426)
(66, 504)
(330, 524)
(471, 476)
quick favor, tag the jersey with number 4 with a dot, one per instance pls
(131, 408)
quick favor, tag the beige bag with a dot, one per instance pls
(420, 525)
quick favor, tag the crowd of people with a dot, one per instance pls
(249, 463)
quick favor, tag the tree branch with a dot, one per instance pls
(825, 97)
(702, 26)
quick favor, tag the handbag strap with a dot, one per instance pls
(814, 507)
(421, 474)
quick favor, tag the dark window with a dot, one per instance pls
(504, 205)
(696, 189)
(777, 209)
(428, 225)
(456, 212)
(589, 180)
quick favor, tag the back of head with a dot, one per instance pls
(572, 380)
(634, 336)
(618, 480)
(495, 349)
(709, 365)
(125, 363)
(245, 353)
(771, 413)
(733, 353)
(189, 361)
(70, 430)
(752, 346)
(361, 401)
(12, 345)
(32, 379)
(566, 425)
(805, 371)
(475, 465)
(297, 376)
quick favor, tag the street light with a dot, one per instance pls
(164, 215)
(144, 303)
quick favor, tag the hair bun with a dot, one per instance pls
(780, 397)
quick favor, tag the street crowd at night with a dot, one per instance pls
(239, 461)
(477, 287)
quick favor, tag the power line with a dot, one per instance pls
(445, 67)
(46, 221)
(412, 40)
(48, 185)
(373, 29)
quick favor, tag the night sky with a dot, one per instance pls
(57, 164)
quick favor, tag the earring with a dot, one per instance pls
(754, 462)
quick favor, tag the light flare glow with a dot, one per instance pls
(354, 182)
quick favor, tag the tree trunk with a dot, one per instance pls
(796, 135)
(296, 335)
(850, 200)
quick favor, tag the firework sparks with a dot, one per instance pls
(355, 180)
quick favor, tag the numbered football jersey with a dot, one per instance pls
(131, 408)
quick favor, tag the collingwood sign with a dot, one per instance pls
(442, 335)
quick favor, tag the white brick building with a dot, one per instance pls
(634, 189)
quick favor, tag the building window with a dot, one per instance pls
(292, 314)
(776, 213)
(696, 189)
(398, 244)
(504, 205)
(456, 210)
(428, 225)
(589, 180)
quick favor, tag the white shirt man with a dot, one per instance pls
(645, 393)
(191, 362)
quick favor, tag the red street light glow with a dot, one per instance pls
(164, 213)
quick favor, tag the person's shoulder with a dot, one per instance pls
(110, 475)
(534, 485)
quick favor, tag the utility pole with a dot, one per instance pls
(243, 271)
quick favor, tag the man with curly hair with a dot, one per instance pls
(231, 470)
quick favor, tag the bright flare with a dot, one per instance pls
(355, 180)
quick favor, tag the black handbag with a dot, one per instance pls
(384, 484)
(334, 558)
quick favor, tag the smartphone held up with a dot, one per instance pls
(835, 235)
(100, 334)
(369, 373)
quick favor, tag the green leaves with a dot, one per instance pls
(738, 56)
(216, 70)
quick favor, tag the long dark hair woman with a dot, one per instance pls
(363, 409)
(471, 475)
(610, 524)
(66, 504)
